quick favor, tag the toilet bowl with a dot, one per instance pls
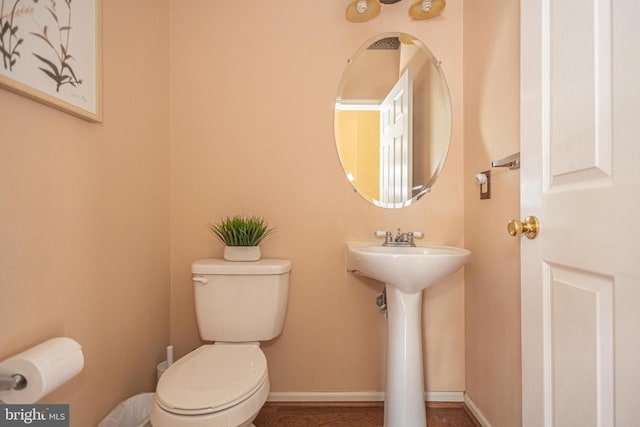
(238, 304)
(213, 386)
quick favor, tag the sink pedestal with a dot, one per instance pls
(404, 394)
(406, 271)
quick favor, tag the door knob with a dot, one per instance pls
(530, 227)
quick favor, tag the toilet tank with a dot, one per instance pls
(240, 301)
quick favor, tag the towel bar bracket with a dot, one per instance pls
(512, 162)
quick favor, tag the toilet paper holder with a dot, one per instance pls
(13, 382)
(29, 376)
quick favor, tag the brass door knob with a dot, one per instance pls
(530, 227)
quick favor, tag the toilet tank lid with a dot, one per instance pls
(220, 266)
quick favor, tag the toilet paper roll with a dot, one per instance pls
(46, 367)
(480, 178)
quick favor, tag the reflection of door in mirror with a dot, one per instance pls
(396, 143)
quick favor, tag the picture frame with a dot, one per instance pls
(50, 51)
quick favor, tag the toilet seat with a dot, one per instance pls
(212, 378)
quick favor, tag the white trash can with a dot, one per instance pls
(133, 412)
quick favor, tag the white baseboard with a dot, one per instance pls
(321, 396)
(444, 396)
(476, 412)
(358, 396)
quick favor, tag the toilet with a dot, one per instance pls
(238, 304)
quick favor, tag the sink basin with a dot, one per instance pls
(409, 269)
(406, 271)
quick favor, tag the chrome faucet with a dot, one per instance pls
(401, 239)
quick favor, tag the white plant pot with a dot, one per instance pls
(242, 253)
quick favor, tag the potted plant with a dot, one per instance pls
(241, 236)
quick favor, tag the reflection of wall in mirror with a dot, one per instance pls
(371, 76)
(439, 116)
(361, 159)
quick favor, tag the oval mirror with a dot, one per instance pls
(393, 120)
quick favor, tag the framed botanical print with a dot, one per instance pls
(51, 52)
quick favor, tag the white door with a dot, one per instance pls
(396, 145)
(580, 127)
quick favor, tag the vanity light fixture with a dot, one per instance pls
(362, 10)
(426, 9)
(366, 10)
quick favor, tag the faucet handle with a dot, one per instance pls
(386, 235)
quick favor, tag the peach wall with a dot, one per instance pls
(252, 96)
(492, 277)
(84, 219)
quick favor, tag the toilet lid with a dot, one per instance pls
(212, 378)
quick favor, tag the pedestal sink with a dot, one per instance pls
(406, 272)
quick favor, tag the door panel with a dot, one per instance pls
(578, 64)
(576, 61)
(578, 330)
